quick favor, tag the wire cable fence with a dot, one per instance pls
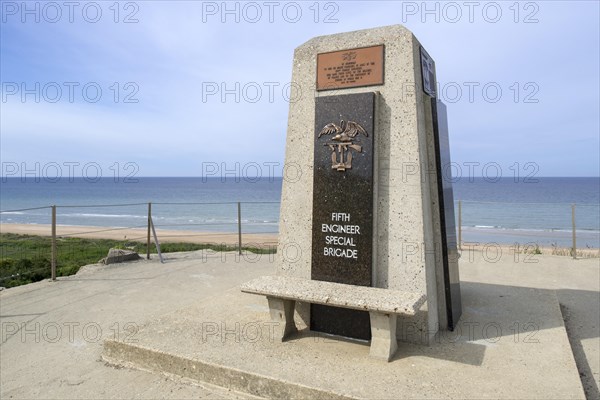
(564, 228)
(251, 224)
(84, 233)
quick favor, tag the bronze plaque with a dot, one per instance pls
(350, 68)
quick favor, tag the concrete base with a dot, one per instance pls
(282, 314)
(383, 335)
(510, 343)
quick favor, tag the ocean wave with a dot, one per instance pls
(525, 230)
(13, 213)
(218, 221)
(91, 215)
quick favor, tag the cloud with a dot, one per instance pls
(177, 50)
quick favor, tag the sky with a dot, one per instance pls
(157, 88)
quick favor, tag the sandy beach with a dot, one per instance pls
(140, 235)
(248, 239)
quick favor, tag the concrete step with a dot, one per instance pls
(510, 343)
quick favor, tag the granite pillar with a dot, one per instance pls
(407, 250)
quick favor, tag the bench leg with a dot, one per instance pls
(282, 312)
(383, 335)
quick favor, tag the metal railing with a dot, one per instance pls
(546, 217)
(156, 215)
(232, 226)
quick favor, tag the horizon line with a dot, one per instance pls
(253, 178)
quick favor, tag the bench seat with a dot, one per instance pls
(383, 305)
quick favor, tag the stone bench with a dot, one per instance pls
(383, 305)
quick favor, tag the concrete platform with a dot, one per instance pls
(511, 343)
(52, 333)
(35, 363)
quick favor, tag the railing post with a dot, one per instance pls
(53, 245)
(239, 209)
(460, 225)
(149, 224)
(574, 231)
(156, 242)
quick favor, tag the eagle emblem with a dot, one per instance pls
(343, 142)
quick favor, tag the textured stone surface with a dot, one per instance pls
(404, 202)
(118, 256)
(336, 294)
(282, 313)
(383, 341)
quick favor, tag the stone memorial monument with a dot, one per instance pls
(367, 245)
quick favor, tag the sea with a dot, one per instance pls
(505, 211)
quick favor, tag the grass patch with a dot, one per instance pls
(26, 258)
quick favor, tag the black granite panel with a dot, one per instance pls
(342, 232)
(340, 321)
(449, 242)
